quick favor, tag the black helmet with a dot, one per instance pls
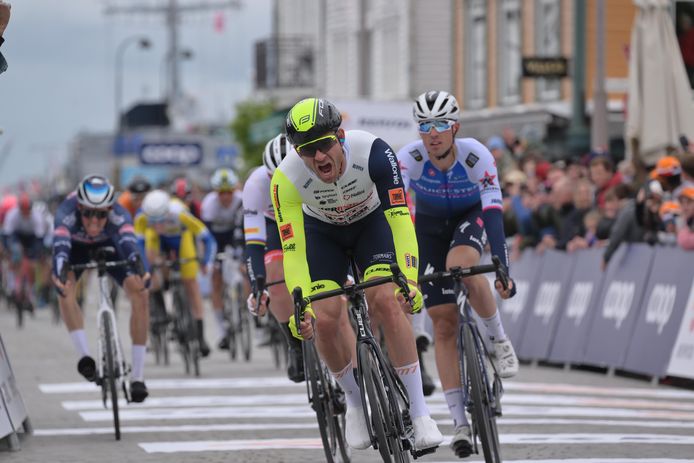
(139, 185)
(310, 119)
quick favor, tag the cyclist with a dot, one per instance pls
(344, 192)
(132, 198)
(165, 226)
(182, 189)
(221, 211)
(263, 246)
(458, 203)
(86, 220)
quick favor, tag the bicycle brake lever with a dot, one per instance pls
(400, 280)
(501, 274)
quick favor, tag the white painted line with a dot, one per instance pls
(310, 424)
(293, 399)
(595, 460)
(506, 439)
(660, 392)
(301, 410)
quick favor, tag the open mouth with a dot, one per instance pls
(325, 168)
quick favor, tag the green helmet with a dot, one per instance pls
(310, 119)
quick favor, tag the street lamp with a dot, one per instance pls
(144, 43)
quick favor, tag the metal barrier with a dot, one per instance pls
(637, 316)
(13, 413)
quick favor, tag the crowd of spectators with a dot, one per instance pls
(592, 201)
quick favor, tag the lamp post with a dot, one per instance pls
(144, 43)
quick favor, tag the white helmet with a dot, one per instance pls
(95, 191)
(275, 150)
(156, 204)
(436, 105)
(224, 179)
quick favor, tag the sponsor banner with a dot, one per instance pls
(682, 356)
(620, 299)
(171, 153)
(661, 313)
(525, 273)
(543, 310)
(578, 304)
(390, 120)
(12, 410)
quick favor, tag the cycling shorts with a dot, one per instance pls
(369, 240)
(84, 253)
(181, 246)
(436, 236)
(32, 247)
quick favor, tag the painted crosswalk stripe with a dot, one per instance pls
(506, 439)
(292, 399)
(310, 424)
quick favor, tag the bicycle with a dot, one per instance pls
(278, 345)
(159, 322)
(238, 318)
(112, 369)
(482, 389)
(387, 409)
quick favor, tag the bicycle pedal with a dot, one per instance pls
(420, 453)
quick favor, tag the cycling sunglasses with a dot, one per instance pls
(98, 213)
(322, 144)
(440, 126)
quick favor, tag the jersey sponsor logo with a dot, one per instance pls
(316, 287)
(471, 160)
(397, 213)
(416, 155)
(250, 212)
(276, 201)
(69, 220)
(251, 230)
(464, 226)
(428, 271)
(289, 247)
(410, 260)
(476, 241)
(431, 172)
(488, 180)
(393, 166)
(389, 256)
(480, 222)
(308, 182)
(397, 197)
(358, 167)
(286, 232)
(126, 228)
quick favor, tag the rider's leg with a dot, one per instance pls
(72, 316)
(189, 273)
(139, 323)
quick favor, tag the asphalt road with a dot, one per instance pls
(250, 412)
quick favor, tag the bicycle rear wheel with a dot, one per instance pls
(110, 371)
(483, 417)
(377, 409)
(183, 328)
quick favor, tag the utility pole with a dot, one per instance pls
(172, 12)
(598, 124)
(579, 140)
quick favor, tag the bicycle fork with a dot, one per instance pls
(107, 315)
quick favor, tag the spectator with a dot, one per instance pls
(615, 199)
(687, 164)
(625, 230)
(666, 178)
(589, 239)
(573, 226)
(604, 177)
(504, 160)
(685, 229)
(513, 144)
(550, 218)
(4, 20)
(685, 37)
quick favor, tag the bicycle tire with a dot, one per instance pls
(377, 408)
(244, 325)
(183, 322)
(19, 304)
(483, 418)
(110, 371)
(319, 399)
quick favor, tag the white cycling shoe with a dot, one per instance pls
(426, 433)
(355, 429)
(504, 358)
(461, 443)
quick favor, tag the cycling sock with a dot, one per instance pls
(411, 377)
(138, 373)
(345, 378)
(292, 342)
(79, 340)
(221, 323)
(495, 329)
(456, 407)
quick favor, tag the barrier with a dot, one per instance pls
(513, 311)
(12, 410)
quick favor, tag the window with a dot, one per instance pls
(548, 43)
(509, 52)
(475, 47)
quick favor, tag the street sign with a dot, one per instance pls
(547, 67)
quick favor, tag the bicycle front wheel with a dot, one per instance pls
(110, 370)
(244, 324)
(318, 399)
(483, 417)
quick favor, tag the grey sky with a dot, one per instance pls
(61, 71)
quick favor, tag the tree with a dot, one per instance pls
(249, 112)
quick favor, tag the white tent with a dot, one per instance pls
(660, 107)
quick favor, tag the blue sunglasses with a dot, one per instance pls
(440, 126)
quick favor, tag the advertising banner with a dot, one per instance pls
(682, 357)
(543, 310)
(620, 299)
(11, 404)
(578, 305)
(525, 273)
(661, 312)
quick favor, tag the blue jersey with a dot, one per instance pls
(118, 231)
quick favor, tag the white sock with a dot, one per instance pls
(456, 407)
(411, 377)
(79, 340)
(138, 372)
(495, 329)
(345, 378)
(221, 323)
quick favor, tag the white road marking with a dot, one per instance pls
(302, 410)
(315, 443)
(310, 424)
